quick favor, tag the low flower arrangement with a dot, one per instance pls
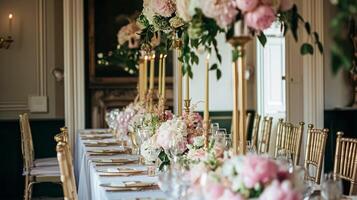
(241, 178)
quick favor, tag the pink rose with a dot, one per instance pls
(247, 5)
(286, 5)
(222, 11)
(261, 18)
(277, 191)
(229, 195)
(164, 8)
(168, 115)
(257, 169)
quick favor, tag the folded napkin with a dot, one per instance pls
(130, 186)
(115, 160)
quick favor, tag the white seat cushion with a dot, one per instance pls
(46, 162)
(44, 171)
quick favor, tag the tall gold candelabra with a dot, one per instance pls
(239, 95)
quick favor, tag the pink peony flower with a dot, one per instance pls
(261, 18)
(277, 191)
(286, 5)
(213, 191)
(258, 169)
(168, 115)
(223, 11)
(247, 5)
(164, 137)
(164, 8)
(229, 195)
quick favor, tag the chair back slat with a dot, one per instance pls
(255, 130)
(314, 154)
(65, 161)
(263, 146)
(345, 166)
(289, 138)
(28, 152)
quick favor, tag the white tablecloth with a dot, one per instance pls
(89, 181)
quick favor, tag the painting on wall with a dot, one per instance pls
(104, 20)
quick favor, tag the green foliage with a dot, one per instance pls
(201, 32)
(165, 161)
(290, 20)
(343, 26)
(123, 57)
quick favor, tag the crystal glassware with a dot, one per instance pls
(331, 189)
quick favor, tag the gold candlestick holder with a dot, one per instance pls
(187, 105)
(161, 105)
(150, 100)
(206, 128)
(239, 95)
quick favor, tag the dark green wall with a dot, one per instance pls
(12, 182)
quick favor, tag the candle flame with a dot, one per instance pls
(161, 56)
(153, 56)
(165, 55)
(11, 16)
(208, 55)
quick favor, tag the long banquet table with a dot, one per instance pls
(88, 179)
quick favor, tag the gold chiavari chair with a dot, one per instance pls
(255, 130)
(34, 172)
(345, 166)
(65, 161)
(314, 155)
(289, 138)
(263, 145)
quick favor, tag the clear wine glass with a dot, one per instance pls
(331, 189)
(214, 128)
(251, 148)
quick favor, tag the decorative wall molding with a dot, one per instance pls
(41, 67)
(73, 37)
(41, 47)
(313, 67)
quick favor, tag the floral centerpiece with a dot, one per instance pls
(243, 177)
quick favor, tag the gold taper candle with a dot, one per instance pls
(145, 75)
(206, 111)
(160, 75)
(179, 85)
(152, 71)
(164, 77)
(141, 89)
(187, 86)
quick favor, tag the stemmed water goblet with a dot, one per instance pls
(331, 189)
